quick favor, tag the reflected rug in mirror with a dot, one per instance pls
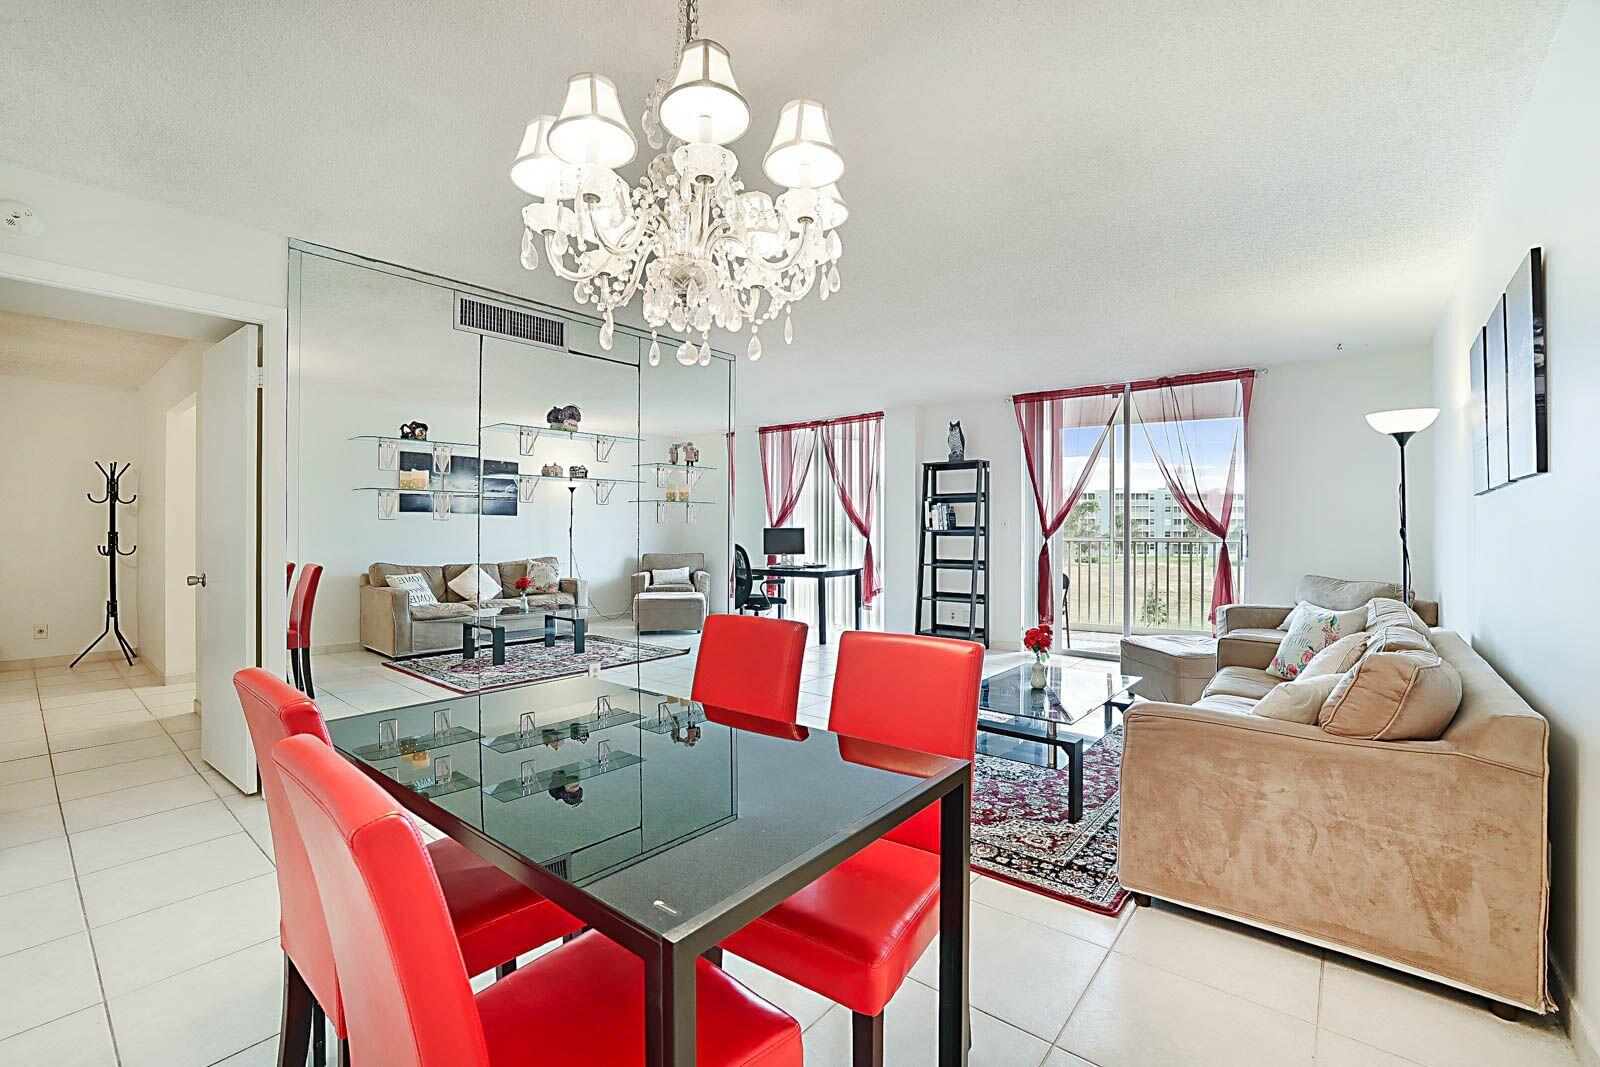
(527, 663)
(1020, 832)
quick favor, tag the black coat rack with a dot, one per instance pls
(111, 550)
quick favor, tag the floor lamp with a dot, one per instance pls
(1403, 424)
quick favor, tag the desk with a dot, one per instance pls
(821, 575)
(663, 837)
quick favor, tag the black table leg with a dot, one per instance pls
(822, 611)
(580, 634)
(469, 643)
(1075, 780)
(858, 600)
(955, 885)
(669, 1008)
(549, 631)
(498, 656)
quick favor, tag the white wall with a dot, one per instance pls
(1515, 571)
(1323, 485)
(50, 572)
(172, 385)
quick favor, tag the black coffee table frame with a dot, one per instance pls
(497, 639)
(579, 624)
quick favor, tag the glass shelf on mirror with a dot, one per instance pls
(579, 728)
(541, 782)
(422, 442)
(528, 436)
(664, 500)
(433, 788)
(405, 746)
(664, 471)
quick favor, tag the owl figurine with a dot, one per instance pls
(957, 442)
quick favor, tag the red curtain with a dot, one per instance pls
(1189, 421)
(1057, 479)
(785, 462)
(853, 449)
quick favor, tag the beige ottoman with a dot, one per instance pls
(1173, 667)
(658, 612)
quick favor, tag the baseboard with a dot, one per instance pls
(1579, 1031)
(60, 661)
(329, 650)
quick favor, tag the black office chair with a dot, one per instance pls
(746, 597)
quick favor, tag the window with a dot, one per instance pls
(831, 538)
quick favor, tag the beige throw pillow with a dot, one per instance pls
(1298, 701)
(418, 592)
(1336, 658)
(1393, 696)
(1311, 629)
(1385, 612)
(1349, 620)
(1397, 638)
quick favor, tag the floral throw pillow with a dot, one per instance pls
(545, 576)
(1309, 633)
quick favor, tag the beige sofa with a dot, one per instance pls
(659, 607)
(391, 626)
(1427, 856)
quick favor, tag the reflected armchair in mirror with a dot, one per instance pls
(670, 592)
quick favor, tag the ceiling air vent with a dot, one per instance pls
(514, 324)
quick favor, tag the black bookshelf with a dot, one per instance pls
(953, 563)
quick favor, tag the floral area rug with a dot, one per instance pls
(531, 662)
(1020, 831)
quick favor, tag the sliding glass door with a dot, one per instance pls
(1130, 557)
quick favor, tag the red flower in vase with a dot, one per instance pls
(523, 584)
(1039, 639)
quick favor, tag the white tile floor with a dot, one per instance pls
(138, 920)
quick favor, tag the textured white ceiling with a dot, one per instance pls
(1041, 193)
(32, 346)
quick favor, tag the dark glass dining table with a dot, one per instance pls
(663, 824)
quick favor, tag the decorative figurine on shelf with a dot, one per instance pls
(957, 442)
(414, 431)
(552, 470)
(1038, 641)
(577, 470)
(691, 454)
(673, 451)
(564, 418)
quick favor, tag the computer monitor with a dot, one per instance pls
(783, 541)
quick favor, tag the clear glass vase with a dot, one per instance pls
(1039, 675)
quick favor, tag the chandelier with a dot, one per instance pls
(704, 250)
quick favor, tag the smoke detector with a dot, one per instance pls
(18, 220)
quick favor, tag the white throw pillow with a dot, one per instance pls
(1297, 701)
(670, 576)
(1348, 622)
(416, 587)
(475, 583)
(1311, 629)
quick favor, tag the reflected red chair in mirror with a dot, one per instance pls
(495, 918)
(409, 1002)
(748, 673)
(854, 934)
(300, 607)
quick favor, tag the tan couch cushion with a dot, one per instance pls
(1340, 594)
(438, 612)
(1398, 639)
(1227, 702)
(378, 574)
(1266, 635)
(1389, 612)
(1394, 696)
(1298, 701)
(1336, 658)
(1244, 682)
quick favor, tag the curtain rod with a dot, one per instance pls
(1139, 384)
(841, 420)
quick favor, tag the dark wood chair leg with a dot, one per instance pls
(310, 689)
(294, 1040)
(1141, 899)
(319, 1036)
(866, 1040)
(506, 968)
(344, 1053)
(1509, 1012)
(294, 670)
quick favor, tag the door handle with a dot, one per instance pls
(197, 579)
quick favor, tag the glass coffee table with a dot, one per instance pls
(574, 618)
(1038, 726)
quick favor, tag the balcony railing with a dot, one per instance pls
(1171, 578)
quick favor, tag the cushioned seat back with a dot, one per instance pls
(1340, 594)
(1493, 722)
(378, 575)
(274, 710)
(408, 1000)
(919, 693)
(666, 561)
(749, 666)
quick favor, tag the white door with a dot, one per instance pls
(226, 548)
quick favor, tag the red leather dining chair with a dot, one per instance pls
(495, 918)
(289, 578)
(748, 673)
(300, 607)
(854, 934)
(408, 999)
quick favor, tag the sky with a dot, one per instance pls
(1212, 438)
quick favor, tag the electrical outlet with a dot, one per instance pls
(41, 633)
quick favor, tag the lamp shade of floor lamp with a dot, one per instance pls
(1403, 424)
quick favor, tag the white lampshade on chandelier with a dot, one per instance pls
(704, 250)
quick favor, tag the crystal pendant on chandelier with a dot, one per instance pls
(655, 350)
(754, 351)
(701, 249)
